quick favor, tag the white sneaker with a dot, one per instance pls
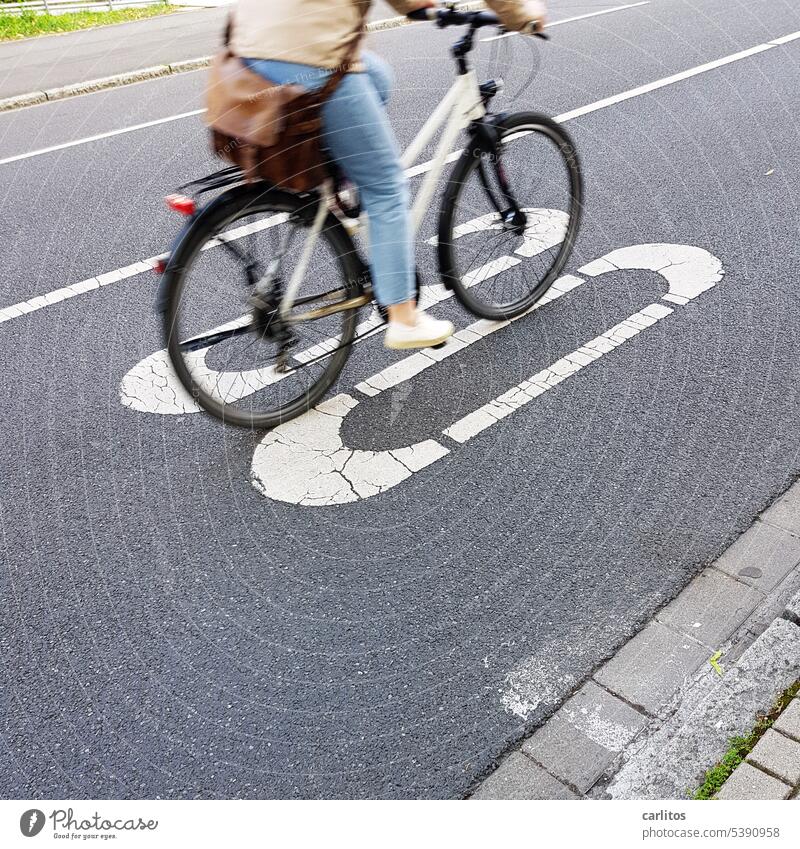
(426, 333)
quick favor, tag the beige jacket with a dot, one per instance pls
(316, 32)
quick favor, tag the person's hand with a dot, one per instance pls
(424, 4)
(537, 10)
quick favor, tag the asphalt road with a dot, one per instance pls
(171, 632)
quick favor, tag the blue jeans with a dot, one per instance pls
(359, 138)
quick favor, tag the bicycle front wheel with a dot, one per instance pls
(510, 217)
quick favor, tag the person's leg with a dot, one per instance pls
(358, 136)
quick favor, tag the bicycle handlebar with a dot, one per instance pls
(449, 17)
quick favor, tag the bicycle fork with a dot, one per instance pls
(487, 137)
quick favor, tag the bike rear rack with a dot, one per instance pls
(229, 176)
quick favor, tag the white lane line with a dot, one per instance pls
(662, 83)
(100, 136)
(576, 18)
(785, 39)
(16, 310)
(523, 393)
(125, 273)
(72, 291)
(170, 118)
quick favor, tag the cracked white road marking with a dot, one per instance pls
(152, 386)
(309, 464)
(306, 462)
(537, 680)
(606, 731)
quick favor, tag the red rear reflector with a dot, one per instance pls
(180, 203)
(160, 265)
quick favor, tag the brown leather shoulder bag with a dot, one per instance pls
(270, 131)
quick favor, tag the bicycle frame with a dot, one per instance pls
(462, 104)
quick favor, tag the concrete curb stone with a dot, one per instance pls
(785, 512)
(190, 65)
(22, 100)
(711, 608)
(518, 777)
(107, 82)
(778, 755)
(652, 666)
(585, 736)
(761, 557)
(747, 782)
(788, 722)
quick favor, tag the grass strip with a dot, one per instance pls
(29, 24)
(740, 747)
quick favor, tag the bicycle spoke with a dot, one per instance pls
(261, 367)
(512, 223)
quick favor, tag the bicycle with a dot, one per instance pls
(272, 351)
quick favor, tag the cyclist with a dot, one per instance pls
(301, 41)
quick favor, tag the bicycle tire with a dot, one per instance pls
(226, 209)
(508, 126)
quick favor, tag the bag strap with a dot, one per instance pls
(353, 44)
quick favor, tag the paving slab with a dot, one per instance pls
(518, 777)
(711, 608)
(779, 755)
(649, 669)
(583, 738)
(761, 557)
(785, 512)
(747, 782)
(789, 721)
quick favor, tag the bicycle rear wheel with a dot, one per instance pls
(230, 349)
(509, 218)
